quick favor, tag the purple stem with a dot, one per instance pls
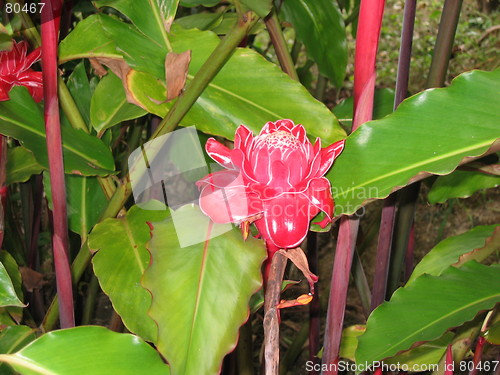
(51, 13)
(389, 210)
(348, 233)
(383, 251)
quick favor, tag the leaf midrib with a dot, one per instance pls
(413, 166)
(243, 99)
(65, 146)
(203, 269)
(416, 333)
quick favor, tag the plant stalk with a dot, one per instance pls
(389, 211)
(444, 43)
(60, 242)
(348, 232)
(314, 305)
(280, 46)
(271, 314)
(405, 49)
(369, 25)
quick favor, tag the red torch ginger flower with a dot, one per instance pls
(274, 179)
(15, 70)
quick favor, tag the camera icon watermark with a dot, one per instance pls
(166, 169)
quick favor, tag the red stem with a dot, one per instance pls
(369, 25)
(448, 363)
(477, 354)
(367, 36)
(51, 14)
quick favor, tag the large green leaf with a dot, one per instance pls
(21, 165)
(152, 17)
(85, 200)
(22, 118)
(86, 350)
(320, 26)
(109, 104)
(12, 339)
(460, 184)
(425, 309)
(430, 132)
(476, 244)
(200, 292)
(248, 90)
(8, 296)
(423, 356)
(119, 263)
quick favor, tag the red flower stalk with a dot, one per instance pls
(274, 179)
(15, 70)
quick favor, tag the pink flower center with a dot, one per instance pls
(281, 140)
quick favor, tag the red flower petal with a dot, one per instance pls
(225, 199)
(220, 153)
(328, 155)
(286, 219)
(4, 90)
(242, 137)
(319, 194)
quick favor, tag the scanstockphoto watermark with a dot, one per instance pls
(351, 367)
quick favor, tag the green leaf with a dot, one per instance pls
(430, 132)
(460, 184)
(21, 165)
(349, 341)
(234, 97)
(151, 17)
(201, 21)
(86, 350)
(320, 27)
(119, 263)
(195, 3)
(95, 43)
(200, 291)
(261, 7)
(11, 339)
(476, 244)
(11, 314)
(425, 309)
(15, 337)
(8, 296)
(79, 87)
(85, 200)
(492, 335)
(109, 104)
(423, 356)
(22, 119)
